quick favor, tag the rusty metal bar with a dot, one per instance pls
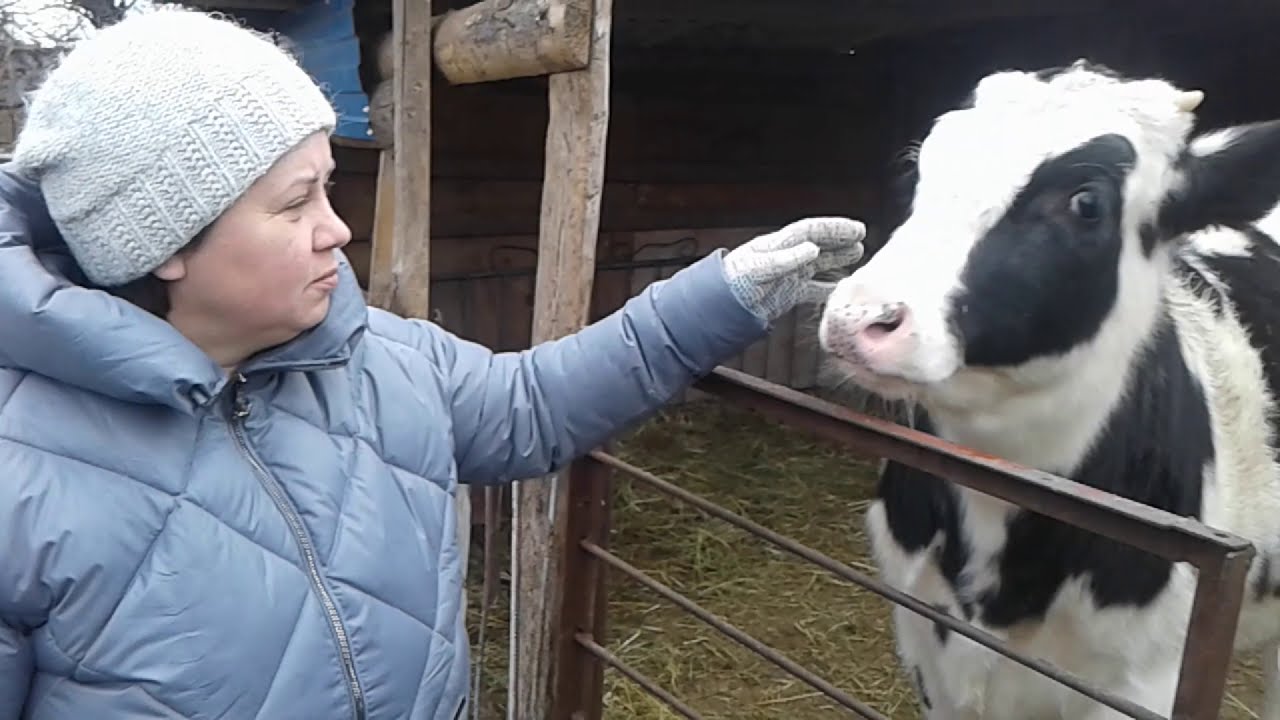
(764, 651)
(1162, 533)
(845, 572)
(636, 676)
(1215, 613)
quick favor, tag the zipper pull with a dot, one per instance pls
(242, 404)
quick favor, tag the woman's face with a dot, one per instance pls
(266, 268)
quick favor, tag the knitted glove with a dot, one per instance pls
(773, 273)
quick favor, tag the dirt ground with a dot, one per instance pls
(801, 489)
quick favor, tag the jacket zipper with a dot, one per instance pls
(240, 411)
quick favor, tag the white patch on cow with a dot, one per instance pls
(1048, 413)
(1214, 241)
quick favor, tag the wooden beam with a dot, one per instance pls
(577, 131)
(402, 284)
(505, 39)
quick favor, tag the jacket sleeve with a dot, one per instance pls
(523, 414)
(15, 670)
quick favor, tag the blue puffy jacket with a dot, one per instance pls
(279, 544)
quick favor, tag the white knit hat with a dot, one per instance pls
(152, 127)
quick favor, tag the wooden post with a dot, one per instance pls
(579, 693)
(572, 187)
(404, 287)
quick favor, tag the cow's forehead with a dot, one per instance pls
(976, 159)
(1149, 103)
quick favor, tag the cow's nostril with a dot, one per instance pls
(884, 327)
(887, 320)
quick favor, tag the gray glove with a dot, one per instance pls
(773, 273)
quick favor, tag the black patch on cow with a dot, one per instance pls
(1153, 450)
(918, 506)
(1233, 187)
(1150, 238)
(1045, 276)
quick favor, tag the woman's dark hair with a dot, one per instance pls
(150, 292)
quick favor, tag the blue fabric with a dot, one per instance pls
(152, 567)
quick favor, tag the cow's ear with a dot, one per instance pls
(1227, 177)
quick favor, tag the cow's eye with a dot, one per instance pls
(1085, 205)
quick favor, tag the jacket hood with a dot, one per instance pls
(54, 324)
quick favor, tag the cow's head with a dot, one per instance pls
(1038, 233)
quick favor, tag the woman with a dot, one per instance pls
(227, 482)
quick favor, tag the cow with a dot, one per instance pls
(1086, 284)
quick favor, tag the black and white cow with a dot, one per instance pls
(1084, 286)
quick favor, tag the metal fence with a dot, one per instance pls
(1221, 559)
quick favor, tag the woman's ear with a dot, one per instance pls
(175, 268)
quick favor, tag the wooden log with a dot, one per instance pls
(505, 39)
(577, 130)
(385, 56)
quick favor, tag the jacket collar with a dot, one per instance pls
(52, 323)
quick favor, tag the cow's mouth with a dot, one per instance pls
(887, 385)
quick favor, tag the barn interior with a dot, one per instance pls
(730, 117)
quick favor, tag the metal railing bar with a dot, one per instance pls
(742, 638)
(846, 572)
(671, 701)
(1215, 616)
(1162, 533)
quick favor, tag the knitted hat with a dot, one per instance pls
(152, 127)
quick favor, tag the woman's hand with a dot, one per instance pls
(773, 273)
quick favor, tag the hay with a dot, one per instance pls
(783, 480)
